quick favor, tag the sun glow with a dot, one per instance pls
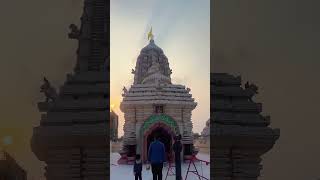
(112, 107)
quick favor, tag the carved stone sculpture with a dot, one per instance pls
(252, 89)
(75, 32)
(125, 91)
(49, 91)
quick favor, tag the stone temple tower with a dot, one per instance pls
(153, 105)
(239, 133)
(72, 138)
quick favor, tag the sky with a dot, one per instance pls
(275, 44)
(181, 28)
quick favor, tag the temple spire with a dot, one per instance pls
(150, 35)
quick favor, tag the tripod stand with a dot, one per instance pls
(195, 171)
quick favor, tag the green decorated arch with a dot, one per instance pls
(160, 118)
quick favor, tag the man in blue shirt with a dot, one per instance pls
(156, 156)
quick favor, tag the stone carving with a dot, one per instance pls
(155, 76)
(75, 32)
(48, 90)
(155, 67)
(252, 89)
(85, 16)
(125, 91)
(149, 54)
(157, 118)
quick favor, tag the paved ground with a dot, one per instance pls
(124, 172)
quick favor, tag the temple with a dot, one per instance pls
(153, 104)
(72, 138)
(239, 133)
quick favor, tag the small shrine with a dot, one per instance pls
(154, 105)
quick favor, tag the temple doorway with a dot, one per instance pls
(165, 136)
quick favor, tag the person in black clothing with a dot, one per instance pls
(137, 168)
(177, 148)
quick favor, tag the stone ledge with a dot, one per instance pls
(65, 105)
(78, 89)
(88, 77)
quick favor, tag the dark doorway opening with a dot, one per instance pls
(165, 137)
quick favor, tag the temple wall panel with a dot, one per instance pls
(148, 111)
(129, 127)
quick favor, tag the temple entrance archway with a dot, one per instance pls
(161, 125)
(165, 137)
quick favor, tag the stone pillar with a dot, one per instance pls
(139, 138)
(221, 168)
(245, 163)
(129, 127)
(93, 166)
(187, 136)
(58, 168)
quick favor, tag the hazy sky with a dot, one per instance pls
(275, 44)
(181, 28)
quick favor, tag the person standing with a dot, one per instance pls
(156, 156)
(137, 168)
(177, 148)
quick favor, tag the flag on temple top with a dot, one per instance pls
(150, 35)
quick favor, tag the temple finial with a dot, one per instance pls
(150, 35)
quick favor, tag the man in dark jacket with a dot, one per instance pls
(177, 148)
(156, 156)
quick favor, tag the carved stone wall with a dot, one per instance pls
(144, 61)
(152, 87)
(239, 134)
